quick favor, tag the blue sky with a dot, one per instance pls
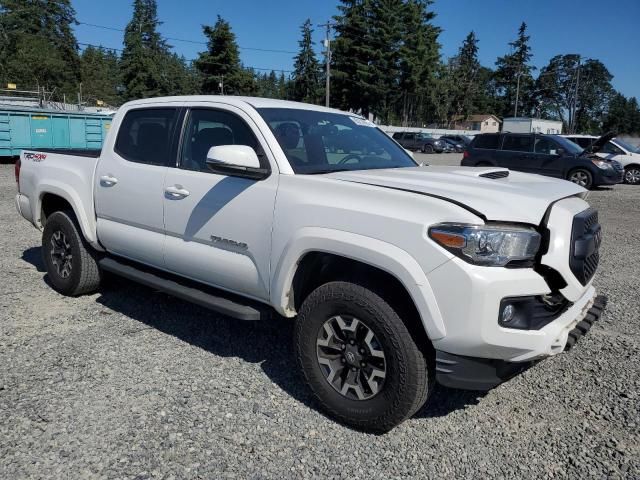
(610, 34)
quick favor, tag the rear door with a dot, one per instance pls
(219, 227)
(129, 187)
(517, 153)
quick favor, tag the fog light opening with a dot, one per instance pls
(508, 312)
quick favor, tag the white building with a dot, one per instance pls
(531, 125)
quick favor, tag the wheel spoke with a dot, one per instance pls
(351, 357)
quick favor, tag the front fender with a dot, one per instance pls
(371, 251)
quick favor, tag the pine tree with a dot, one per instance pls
(220, 67)
(145, 53)
(465, 67)
(419, 61)
(37, 45)
(306, 75)
(100, 75)
(514, 76)
(352, 81)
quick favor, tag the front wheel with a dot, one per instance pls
(72, 265)
(581, 177)
(632, 175)
(359, 358)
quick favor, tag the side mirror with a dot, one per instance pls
(560, 151)
(235, 161)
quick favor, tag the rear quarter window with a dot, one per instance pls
(487, 141)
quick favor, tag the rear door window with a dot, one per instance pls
(518, 143)
(488, 141)
(145, 135)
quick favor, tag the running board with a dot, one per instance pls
(203, 295)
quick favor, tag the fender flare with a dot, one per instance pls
(86, 221)
(368, 250)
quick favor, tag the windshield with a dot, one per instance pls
(626, 146)
(568, 145)
(424, 135)
(322, 142)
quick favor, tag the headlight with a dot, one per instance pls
(601, 164)
(493, 245)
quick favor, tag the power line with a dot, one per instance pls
(192, 60)
(196, 42)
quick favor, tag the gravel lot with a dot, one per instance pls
(131, 383)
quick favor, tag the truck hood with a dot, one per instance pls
(504, 195)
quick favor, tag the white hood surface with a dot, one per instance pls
(519, 197)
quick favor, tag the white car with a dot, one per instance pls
(613, 148)
(397, 276)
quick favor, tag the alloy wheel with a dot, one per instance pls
(581, 178)
(632, 176)
(61, 255)
(351, 357)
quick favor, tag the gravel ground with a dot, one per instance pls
(130, 383)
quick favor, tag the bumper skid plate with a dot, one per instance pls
(471, 373)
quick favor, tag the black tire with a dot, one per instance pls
(427, 149)
(409, 375)
(483, 164)
(82, 273)
(632, 175)
(581, 177)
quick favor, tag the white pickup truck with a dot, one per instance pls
(398, 275)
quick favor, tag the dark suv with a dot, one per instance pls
(419, 141)
(550, 155)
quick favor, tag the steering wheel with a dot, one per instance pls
(351, 156)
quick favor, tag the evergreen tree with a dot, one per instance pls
(37, 45)
(145, 53)
(352, 81)
(465, 85)
(419, 61)
(513, 70)
(220, 64)
(100, 75)
(306, 76)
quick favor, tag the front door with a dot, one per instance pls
(129, 185)
(517, 153)
(218, 227)
(547, 159)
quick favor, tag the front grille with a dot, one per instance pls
(586, 237)
(498, 174)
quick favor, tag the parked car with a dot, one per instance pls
(611, 148)
(419, 141)
(452, 146)
(550, 155)
(394, 273)
(464, 140)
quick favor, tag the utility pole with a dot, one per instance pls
(221, 84)
(515, 110)
(327, 53)
(575, 98)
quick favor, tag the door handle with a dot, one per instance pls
(176, 192)
(108, 180)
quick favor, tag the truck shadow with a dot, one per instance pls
(268, 343)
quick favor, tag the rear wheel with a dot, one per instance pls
(72, 265)
(427, 149)
(581, 177)
(359, 358)
(632, 175)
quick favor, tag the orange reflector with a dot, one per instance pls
(450, 240)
